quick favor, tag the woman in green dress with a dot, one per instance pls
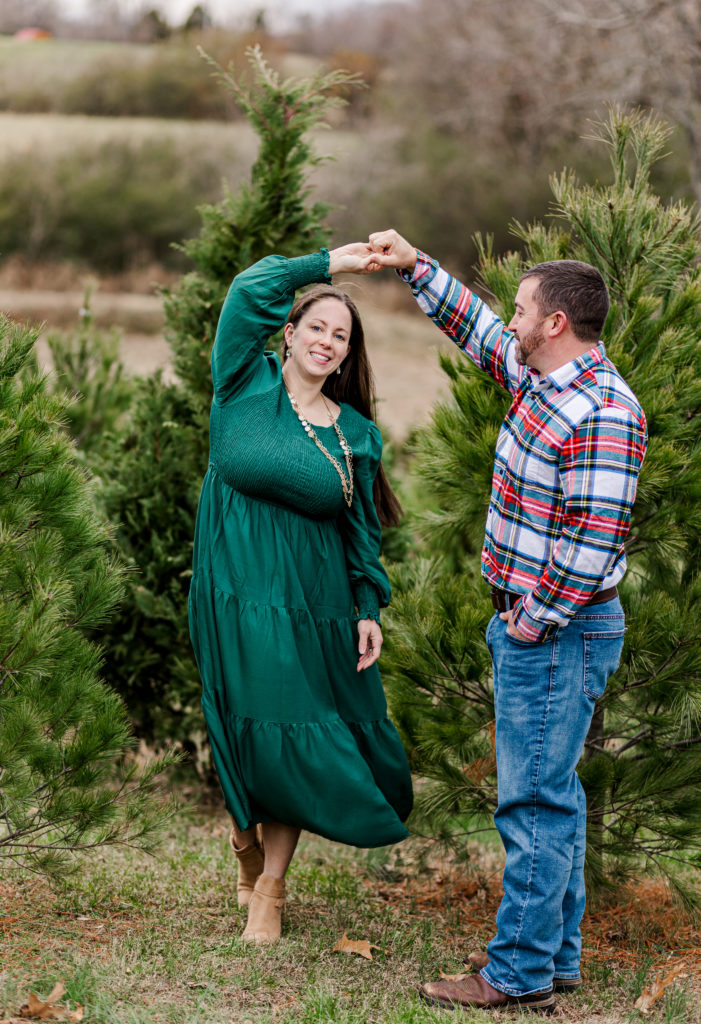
(287, 582)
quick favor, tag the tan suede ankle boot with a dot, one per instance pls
(250, 860)
(265, 911)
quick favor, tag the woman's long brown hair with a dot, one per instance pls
(355, 385)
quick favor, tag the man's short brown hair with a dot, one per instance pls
(578, 289)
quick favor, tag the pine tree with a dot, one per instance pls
(154, 467)
(87, 364)
(642, 760)
(61, 728)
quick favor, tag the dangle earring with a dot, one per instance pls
(338, 370)
(288, 351)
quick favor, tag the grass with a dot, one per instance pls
(51, 63)
(138, 940)
(232, 146)
(234, 143)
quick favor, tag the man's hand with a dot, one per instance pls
(512, 630)
(354, 258)
(369, 643)
(393, 250)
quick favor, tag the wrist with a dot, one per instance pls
(412, 258)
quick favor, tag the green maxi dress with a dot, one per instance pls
(282, 570)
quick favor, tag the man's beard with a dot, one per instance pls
(527, 345)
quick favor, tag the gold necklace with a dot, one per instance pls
(347, 485)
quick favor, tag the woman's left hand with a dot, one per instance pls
(355, 258)
(369, 643)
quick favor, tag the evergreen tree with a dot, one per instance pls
(87, 364)
(153, 470)
(642, 760)
(61, 728)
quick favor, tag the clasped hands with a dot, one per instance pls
(382, 249)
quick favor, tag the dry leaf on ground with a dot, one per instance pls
(453, 977)
(656, 990)
(39, 1009)
(360, 946)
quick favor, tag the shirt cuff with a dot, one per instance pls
(531, 628)
(307, 269)
(366, 601)
(422, 274)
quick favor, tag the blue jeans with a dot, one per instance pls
(544, 695)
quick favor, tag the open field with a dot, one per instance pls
(56, 133)
(233, 141)
(138, 940)
(52, 62)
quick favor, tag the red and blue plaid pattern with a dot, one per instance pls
(567, 461)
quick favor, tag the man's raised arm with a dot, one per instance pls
(457, 311)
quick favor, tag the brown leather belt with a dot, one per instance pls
(504, 600)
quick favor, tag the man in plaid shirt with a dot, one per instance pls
(565, 473)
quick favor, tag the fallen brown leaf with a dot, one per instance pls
(656, 990)
(479, 770)
(47, 1009)
(360, 946)
(453, 977)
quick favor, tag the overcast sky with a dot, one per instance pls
(279, 13)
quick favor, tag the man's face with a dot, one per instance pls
(527, 322)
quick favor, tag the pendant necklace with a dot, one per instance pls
(346, 484)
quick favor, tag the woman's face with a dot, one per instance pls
(320, 341)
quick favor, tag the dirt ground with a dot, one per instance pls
(403, 344)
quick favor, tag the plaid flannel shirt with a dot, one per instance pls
(567, 461)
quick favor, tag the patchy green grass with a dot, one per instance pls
(138, 940)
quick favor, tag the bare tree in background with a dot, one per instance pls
(507, 76)
(520, 79)
(658, 49)
(17, 14)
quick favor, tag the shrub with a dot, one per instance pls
(113, 207)
(173, 82)
(87, 366)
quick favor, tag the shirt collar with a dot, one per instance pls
(564, 375)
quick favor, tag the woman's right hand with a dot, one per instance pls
(354, 258)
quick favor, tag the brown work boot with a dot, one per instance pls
(564, 986)
(250, 860)
(473, 992)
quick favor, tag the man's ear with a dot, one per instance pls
(560, 322)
